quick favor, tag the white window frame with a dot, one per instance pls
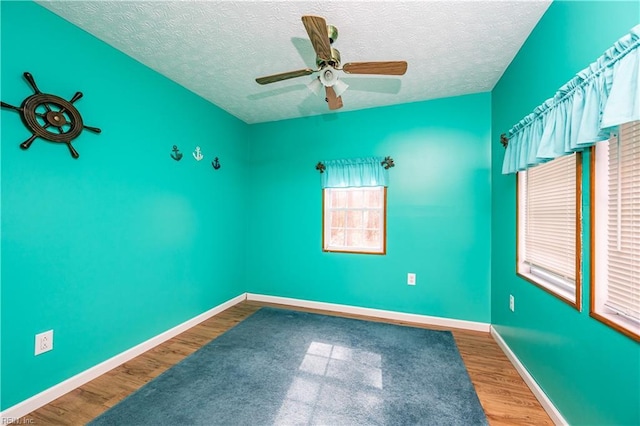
(604, 217)
(567, 290)
(328, 209)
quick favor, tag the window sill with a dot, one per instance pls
(353, 251)
(619, 323)
(564, 295)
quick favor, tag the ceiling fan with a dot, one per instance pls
(322, 37)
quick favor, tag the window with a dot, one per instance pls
(549, 230)
(354, 219)
(615, 219)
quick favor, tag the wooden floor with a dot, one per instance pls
(505, 397)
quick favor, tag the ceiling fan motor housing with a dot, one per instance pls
(334, 61)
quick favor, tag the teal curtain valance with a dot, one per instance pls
(355, 172)
(583, 112)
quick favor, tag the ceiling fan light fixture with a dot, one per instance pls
(315, 86)
(328, 76)
(340, 87)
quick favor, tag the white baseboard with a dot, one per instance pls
(377, 313)
(542, 397)
(31, 404)
(27, 406)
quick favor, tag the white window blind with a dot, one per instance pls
(549, 220)
(623, 222)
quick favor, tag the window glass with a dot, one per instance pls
(549, 243)
(354, 220)
(615, 275)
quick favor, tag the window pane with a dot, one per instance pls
(616, 286)
(355, 199)
(338, 219)
(548, 231)
(372, 219)
(354, 219)
(551, 217)
(338, 198)
(371, 238)
(354, 238)
(337, 237)
(372, 199)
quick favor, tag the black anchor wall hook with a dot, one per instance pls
(215, 163)
(177, 155)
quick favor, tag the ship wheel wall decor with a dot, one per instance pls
(50, 117)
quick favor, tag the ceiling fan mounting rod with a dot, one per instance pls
(332, 33)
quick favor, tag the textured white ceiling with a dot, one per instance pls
(217, 48)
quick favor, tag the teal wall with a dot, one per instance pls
(438, 208)
(123, 243)
(590, 372)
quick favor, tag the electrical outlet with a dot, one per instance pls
(411, 279)
(512, 303)
(44, 342)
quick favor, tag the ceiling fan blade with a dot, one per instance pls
(316, 27)
(384, 68)
(284, 76)
(335, 102)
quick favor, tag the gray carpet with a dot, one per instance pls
(285, 367)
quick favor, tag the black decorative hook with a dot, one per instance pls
(215, 163)
(504, 140)
(177, 155)
(321, 167)
(387, 163)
